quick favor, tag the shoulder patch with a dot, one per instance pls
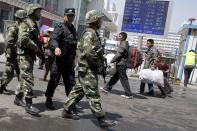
(88, 35)
(23, 27)
(88, 38)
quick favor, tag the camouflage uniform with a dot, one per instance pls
(11, 51)
(11, 56)
(89, 62)
(28, 42)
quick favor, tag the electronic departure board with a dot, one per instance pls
(145, 16)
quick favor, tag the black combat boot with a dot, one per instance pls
(19, 101)
(3, 90)
(49, 103)
(70, 115)
(106, 123)
(30, 108)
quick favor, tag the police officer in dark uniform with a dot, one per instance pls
(63, 46)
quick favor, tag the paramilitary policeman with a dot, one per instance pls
(90, 64)
(11, 51)
(63, 45)
(28, 46)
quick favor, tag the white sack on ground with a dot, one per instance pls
(152, 76)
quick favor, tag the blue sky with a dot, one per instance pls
(181, 11)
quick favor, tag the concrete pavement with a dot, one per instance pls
(142, 113)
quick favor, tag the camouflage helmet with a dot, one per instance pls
(92, 16)
(20, 14)
(32, 8)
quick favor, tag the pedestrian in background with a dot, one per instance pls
(47, 51)
(120, 60)
(152, 58)
(11, 38)
(166, 89)
(190, 64)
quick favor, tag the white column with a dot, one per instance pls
(77, 14)
(11, 13)
(140, 41)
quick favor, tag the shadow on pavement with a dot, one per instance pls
(41, 106)
(16, 122)
(157, 94)
(109, 115)
(118, 92)
(3, 112)
(139, 96)
(38, 93)
(10, 92)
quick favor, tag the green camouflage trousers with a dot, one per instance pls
(86, 85)
(11, 66)
(26, 84)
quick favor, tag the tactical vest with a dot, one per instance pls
(69, 43)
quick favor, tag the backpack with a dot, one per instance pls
(134, 57)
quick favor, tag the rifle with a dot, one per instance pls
(101, 51)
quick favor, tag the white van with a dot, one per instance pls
(111, 45)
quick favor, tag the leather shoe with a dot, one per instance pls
(49, 104)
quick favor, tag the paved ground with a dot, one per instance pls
(142, 113)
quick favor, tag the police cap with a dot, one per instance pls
(69, 11)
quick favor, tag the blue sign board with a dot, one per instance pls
(145, 16)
